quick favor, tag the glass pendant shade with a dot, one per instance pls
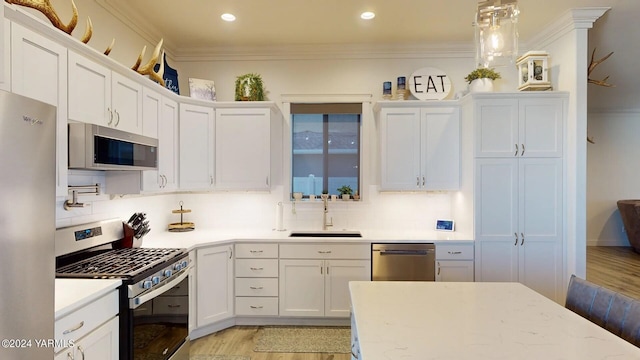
(496, 33)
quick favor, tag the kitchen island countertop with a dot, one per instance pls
(442, 320)
(72, 294)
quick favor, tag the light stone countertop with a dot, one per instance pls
(440, 320)
(205, 237)
(72, 294)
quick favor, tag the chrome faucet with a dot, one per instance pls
(325, 226)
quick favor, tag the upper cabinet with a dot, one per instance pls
(39, 71)
(196, 147)
(243, 141)
(519, 127)
(419, 146)
(160, 120)
(102, 97)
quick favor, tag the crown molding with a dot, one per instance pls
(570, 20)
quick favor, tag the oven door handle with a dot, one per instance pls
(173, 281)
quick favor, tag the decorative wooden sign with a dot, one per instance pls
(429, 84)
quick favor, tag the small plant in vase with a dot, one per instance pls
(481, 79)
(249, 87)
(345, 191)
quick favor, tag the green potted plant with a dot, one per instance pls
(346, 191)
(481, 79)
(249, 87)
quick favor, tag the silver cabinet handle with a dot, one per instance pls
(256, 287)
(255, 251)
(516, 235)
(522, 243)
(327, 270)
(516, 154)
(417, 181)
(455, 252)
(110, 116)
(255, 307)
(438, 268)
(522, 153)
(256, 269)
(81, 351)
(117, 118)
(423, 182)
(77, 327)
(69, 355)
(324, 252)
(210, 180)
(230, 252)
(173, 306)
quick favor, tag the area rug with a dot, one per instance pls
(219, 357)
(295, 339)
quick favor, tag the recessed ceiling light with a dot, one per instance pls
(228, 17)
(367, 15)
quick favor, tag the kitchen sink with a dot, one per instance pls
(347, 234)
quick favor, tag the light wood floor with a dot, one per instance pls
(240, 340)
(617, 268)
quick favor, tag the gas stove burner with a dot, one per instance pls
(119, 263)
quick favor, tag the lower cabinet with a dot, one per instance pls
(317, 283)
(256, 279)
(454, 262)
(214, 284)
(91, 332)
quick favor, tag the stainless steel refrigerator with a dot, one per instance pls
(27, 226)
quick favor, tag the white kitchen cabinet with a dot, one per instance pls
(39, 71)
(243, 148)
(5, 51)
(311, 286)
(165, 111)
(420, 147)
(454, 262)
(100, 344)
(214, 284)
(256, 282)
(90, 332)
(519, 222)
(519, 127)
(103, 97)
(196, 147)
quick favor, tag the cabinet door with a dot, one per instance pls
(5, 52)
(496, 224)
(496, 123)
(243, 149)
(168, 141)
(151, 112)
(540, 127)
(540, 224)
(337, 276)
(301, 288)
(214, 281)
(440, 129)
(196, 147)
(89, 91)
(100, 344)
(454, 270)
(39, 71)
(126, 103)
(400, 149)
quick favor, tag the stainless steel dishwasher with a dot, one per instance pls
(403, 262)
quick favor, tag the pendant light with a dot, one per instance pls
(496, 33)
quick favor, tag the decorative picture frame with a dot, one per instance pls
(202, 89)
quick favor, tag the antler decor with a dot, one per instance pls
(88, 32)
(147, 69)
(110, 47)
(44, 6)
(592, 65)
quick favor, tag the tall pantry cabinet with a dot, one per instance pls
(518, 188)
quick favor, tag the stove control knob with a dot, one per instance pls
(184, 264)
(146, 284)
(177, 267)
(155, 280)
(168, 273)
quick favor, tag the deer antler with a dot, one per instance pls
(147, 69)
(110, 47)
(44, 6)
(592, 65)
(88, 32)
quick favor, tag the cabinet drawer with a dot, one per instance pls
(84, 320)
(257, 306)
(256, 287)
(254, 250)
(454, 252)
(171, 305)
(325, 251)
(257, 267)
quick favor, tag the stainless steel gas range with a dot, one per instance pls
(154, 306)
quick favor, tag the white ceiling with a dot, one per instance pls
(192, 25)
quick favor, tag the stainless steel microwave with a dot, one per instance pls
(97, 147)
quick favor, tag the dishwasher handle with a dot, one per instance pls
(405, 252)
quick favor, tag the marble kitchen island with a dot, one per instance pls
(440, 320)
